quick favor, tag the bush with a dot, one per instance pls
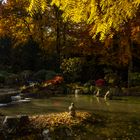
(24, 76)
(12, 79)
(40, 75)
(54, 81)
(43, 75)
(3, 76)
(71, 68)
(135, 78)
(50, 74)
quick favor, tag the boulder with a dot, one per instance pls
(14, 124)
(46, 134)
(108, 95)
(15, 98)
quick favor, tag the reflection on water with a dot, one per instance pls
(120, 117)
(83, 102)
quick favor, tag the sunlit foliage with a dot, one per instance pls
(15, 21)
(104, 16)
(37, 6)
(20, 26)
(64, 118)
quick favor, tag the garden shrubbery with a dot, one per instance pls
(71, 68)
(135, 78)
(55, 126)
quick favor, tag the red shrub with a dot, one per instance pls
(100, 82)
(56, 80)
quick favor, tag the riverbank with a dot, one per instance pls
(6, 93)
(55, 126)
(100, 125)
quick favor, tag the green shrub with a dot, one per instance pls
(44, 75)
(50, 74)
(135, 78)
(24, 76)
(71, 68)
(11, 79)
(3, 76)
(40, 75)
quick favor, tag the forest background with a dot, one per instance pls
(81, 40)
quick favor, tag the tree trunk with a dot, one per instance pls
(58, 35)
(130, 67)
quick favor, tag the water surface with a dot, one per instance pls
(120, 117)
(82, 102)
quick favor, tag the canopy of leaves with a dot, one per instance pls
(15, 21)
(104, 16)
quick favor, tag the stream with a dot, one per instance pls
(121, 116)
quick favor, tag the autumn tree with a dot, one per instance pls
(105, 18)
(14, 21)
(21, 27)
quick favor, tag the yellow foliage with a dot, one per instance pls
(37, 5)
(43, 121)
(103, 15)
(17, 23)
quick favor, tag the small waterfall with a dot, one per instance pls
(18, 99)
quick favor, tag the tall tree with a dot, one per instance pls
(105, 17)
